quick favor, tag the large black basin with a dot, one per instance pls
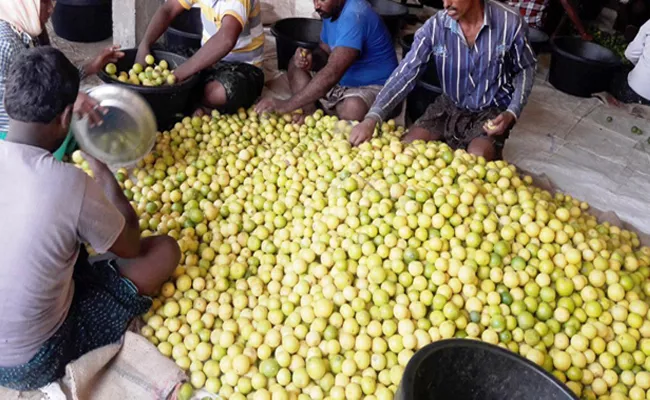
(581, 68)
(392, 13)
(185, 31)
(169, 103)
(85, 21)
(291, 33)
(462, 369)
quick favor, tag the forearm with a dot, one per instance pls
(212, 52)
(397, 87)
(573, 15)
(523, 84)
(157, 26)
(317, 88)
(404, 77)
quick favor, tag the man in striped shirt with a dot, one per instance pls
(486, 68)
(231, 55)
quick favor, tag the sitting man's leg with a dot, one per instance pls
(108, 295)
(430, 126)
(483, 147)
(159, 257)
(350, 103)
(352, 109)
(231, 86)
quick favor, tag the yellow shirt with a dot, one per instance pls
(250, 45)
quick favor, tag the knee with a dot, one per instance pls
(482, 148)
(352, 109)
(170, 251)
(214, 94)
(164, 249)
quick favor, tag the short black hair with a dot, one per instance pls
(41, 83)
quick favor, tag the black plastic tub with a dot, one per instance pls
(392, 13)
(185, 31)
(581, 68)
(85, 21)
(291, 33)
(430, 75)
(538, 40)
(169, 103)
(462, 369)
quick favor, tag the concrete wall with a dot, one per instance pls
(130, 20)
(131, 17)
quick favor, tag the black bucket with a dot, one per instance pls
(581, 68)
(85, 21)
(429, 76)
(169, 103)
(462, 369)
(392, 13)
(538, 40)
(185, 31)
(291, 33)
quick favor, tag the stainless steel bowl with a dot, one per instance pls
(128, 130)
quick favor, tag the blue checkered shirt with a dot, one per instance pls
(12, 43)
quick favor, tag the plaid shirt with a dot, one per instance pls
(532, 11)
(12, 43)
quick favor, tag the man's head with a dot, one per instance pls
(329, 8)
(458, 9)
(42, 86)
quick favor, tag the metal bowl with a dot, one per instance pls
(128, 130)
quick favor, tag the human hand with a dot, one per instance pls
(270, 104)
(362, 132)
(303, 59)
(587, 37)
(87, 106)
(499, 125)
(108, 55)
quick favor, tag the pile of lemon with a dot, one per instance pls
(315, 270)
(150, 75)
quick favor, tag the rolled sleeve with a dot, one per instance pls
(236, 9)
(404, 78)
(187, 4)
(522, 65)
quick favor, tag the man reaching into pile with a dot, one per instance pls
(231, 54)
(360, 57)
(486, 68)
(55, 305)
